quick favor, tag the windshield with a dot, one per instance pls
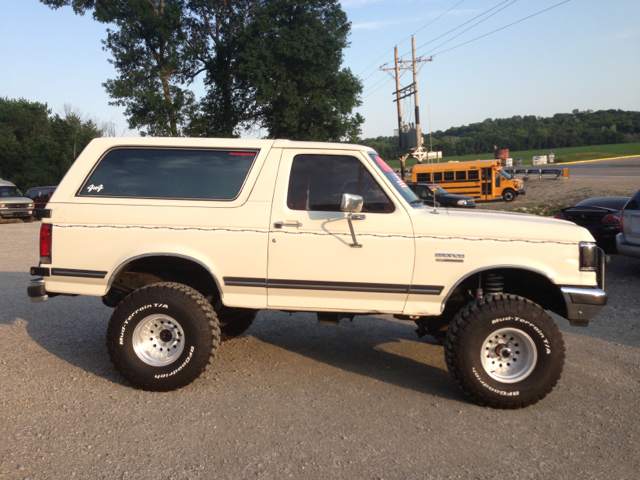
(438, 188)
(10, 192)
(397, 183)
(505, 174)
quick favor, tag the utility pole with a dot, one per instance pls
(400, 67)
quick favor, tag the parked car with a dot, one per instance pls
(628, 240)
(600, 215)
(428, 192)
(40, 195)
(13, 204)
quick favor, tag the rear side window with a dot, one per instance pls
(170, 173)
(634, 203)
(423, 177)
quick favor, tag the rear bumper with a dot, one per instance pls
(36, 290)
(626, 248)
(583, 304)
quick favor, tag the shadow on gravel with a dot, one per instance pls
(619, 320)
(360, 347)
(71, 328)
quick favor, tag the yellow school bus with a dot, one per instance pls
(481, 179)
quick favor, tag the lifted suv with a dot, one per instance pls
(188, 238)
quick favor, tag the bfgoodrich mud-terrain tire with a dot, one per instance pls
(163, 336)
(234, 321)
(504, 351)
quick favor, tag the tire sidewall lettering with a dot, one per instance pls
(482, 378)
(126, 345)
(130, 317)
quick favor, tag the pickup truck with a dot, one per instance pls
(187, 238)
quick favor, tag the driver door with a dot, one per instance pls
(313, 264)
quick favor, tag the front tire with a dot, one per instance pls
(163, 336)
(509, 195)
(504, 351)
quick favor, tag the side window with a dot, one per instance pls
(423, 177)
(170, 173)
(473, 175)
(461, 175)
(317, 183)
(448, 176)
(437, 177)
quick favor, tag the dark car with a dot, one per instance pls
(429, 193)
(40, 195)
(600, 215)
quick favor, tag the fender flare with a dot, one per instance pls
(493, 267)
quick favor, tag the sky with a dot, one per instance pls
(582, 54)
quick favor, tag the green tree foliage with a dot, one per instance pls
(150, 54)
(214, 30)
(574, 129)
(291, 58)
(273, 64)
(37, 148)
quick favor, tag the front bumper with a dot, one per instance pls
(521, 192)
(583, 304)
(16, 212)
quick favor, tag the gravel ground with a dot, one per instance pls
(291, 399)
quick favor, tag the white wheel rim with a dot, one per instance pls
(508, 355)
(158, 340)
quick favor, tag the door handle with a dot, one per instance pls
(283, 224)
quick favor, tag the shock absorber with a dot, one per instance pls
(494, 284)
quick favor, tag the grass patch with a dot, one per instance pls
(563, 155)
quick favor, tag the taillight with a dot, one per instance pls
(611, 219)
(560, 215)
(46, 231)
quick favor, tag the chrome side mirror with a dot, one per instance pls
(352, 204)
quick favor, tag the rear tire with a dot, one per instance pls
(163, 336)
(504, 351)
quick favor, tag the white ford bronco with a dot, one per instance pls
(188, 238)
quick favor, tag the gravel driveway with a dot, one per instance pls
(291, 399)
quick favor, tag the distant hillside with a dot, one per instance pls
(574, 129)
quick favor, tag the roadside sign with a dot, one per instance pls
(519, 160)
(540, 160)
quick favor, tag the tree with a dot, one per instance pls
(297, 90)
(151, 56)
(291, 58)
(37, 148)
(214, 29)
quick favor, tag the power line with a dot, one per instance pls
(474, 25)
(459, 26)
(502, 28)
(383, 85)
(420, 29)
